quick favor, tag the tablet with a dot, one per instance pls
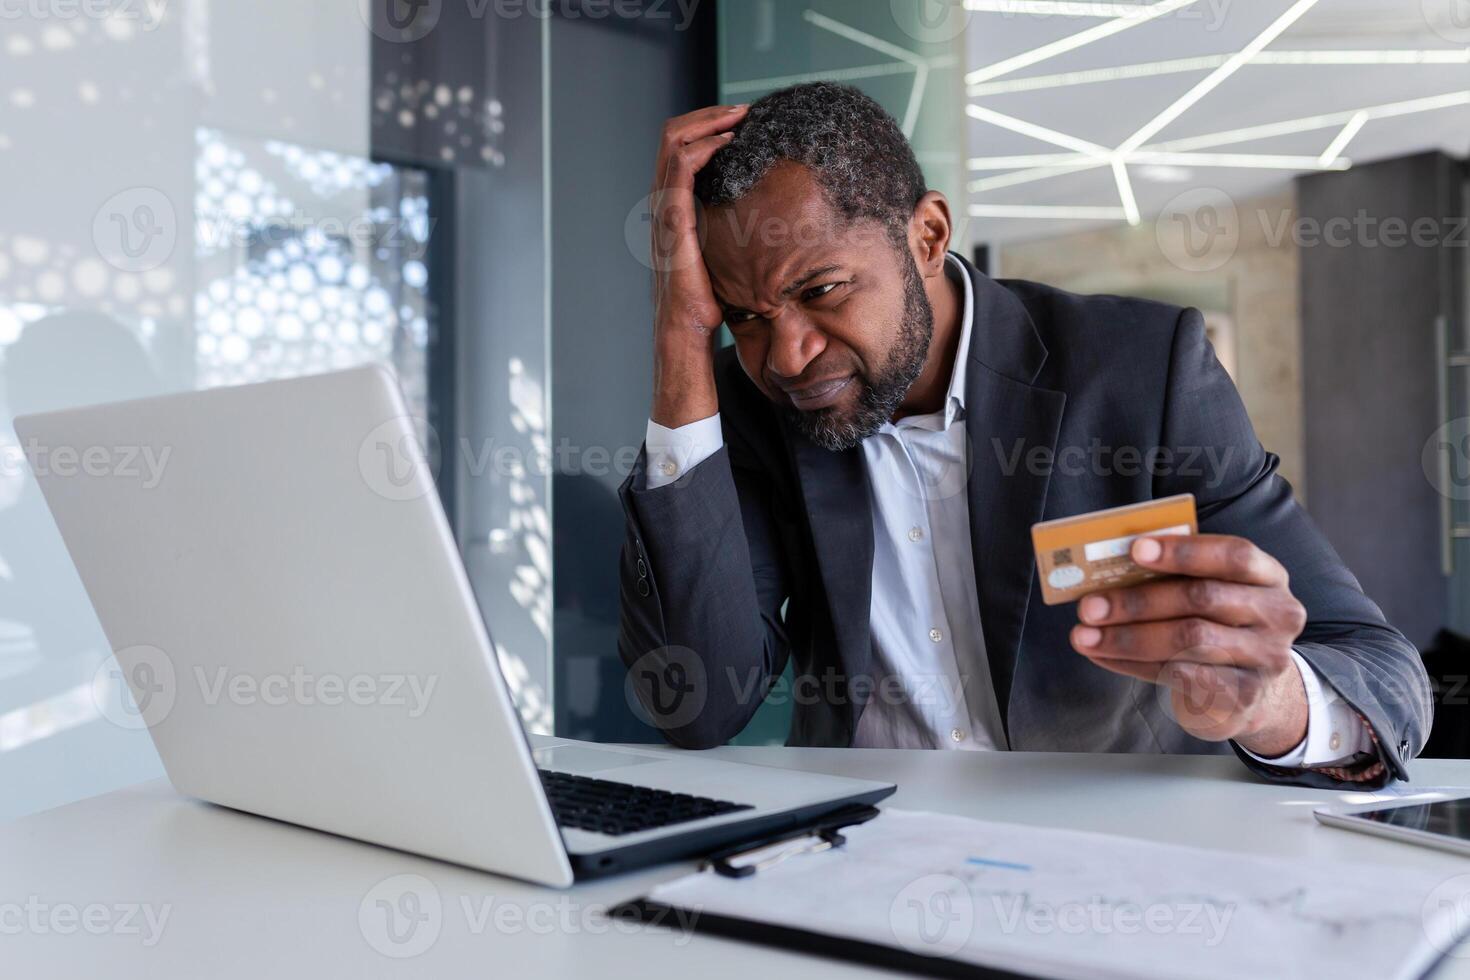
(1441, 823)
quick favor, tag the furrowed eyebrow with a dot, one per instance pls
(796, 286)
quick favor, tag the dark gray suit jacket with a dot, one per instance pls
(763, 553)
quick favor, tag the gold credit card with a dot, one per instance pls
(1076, 556)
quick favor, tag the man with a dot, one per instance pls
(851, 488)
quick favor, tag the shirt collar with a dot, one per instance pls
(955, 401)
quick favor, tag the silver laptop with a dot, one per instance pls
(287, 605)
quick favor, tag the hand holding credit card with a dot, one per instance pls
(1210, 618)
(1077, 556)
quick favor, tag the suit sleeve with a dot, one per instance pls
(1369, 664)
(702, 586)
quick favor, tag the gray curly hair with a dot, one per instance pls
(856, 151)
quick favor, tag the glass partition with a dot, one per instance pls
(192, 201)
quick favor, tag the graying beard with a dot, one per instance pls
(878, 401)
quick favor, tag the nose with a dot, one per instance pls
(795, 343)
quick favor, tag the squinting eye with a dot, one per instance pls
(817, 292)
(742, 316)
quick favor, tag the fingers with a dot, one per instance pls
(1189, 640)
(685, 160)
(701, 124)
(1220, 556)
(682, 295)
(704, 122)
(675, 211)
(1216, 685)
(1143, 670)
(1229, 603)
(677, 251)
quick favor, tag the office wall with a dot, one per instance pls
(613, 84)
(1254, 292)
(1372, 299)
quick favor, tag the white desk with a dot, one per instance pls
(250, 898)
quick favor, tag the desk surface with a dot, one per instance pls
(249, 897)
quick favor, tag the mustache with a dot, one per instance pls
(816, 373)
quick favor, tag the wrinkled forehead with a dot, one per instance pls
(784, 228)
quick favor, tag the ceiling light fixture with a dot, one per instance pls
(1045, 211)
(1036, 132)
(1305, 124)
(1140, 16)
(1174, 66)
(1125, 192)
(1343, 138)
(1212, 81)
(1018, 177)
(1053, 8)
(1076, 161)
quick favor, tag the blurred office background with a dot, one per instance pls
(202, 193)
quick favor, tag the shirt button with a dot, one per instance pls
(957, 735)
(935, 635)
(668, 467)
(1335, 742)
(916, 534)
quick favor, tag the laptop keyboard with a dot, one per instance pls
(606, 807)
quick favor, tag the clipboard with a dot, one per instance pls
(872, 895)
(814, 943)
(750, 859)
(744, 860)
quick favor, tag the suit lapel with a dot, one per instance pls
(1008, 419)
(835, 489)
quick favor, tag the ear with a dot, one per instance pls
(929, 233)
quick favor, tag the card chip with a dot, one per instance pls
(1062, 556)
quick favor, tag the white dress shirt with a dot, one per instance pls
(925, 610)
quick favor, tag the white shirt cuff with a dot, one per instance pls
(1335, 733)
(674, 452)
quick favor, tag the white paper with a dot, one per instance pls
(1071, 904)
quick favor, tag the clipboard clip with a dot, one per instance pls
(823, 834)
